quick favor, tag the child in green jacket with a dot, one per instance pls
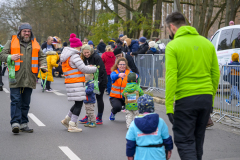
(131, 93)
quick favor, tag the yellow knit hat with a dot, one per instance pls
(235, 57)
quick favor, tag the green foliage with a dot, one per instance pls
(104, 28)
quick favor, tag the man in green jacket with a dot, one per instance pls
(192, 75)
(20, 92)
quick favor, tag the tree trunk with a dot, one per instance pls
(158, 15)
(93, 12)
(116, 11)
(177, 6)
(228, 11)
(147, 12)
(127, 17)
(209, 17)
(196, 14)
(202, 16)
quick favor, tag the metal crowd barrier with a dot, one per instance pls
(226, 103)
(151, 71)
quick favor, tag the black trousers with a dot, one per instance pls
(117, 104)
(1, 83)
(100, 100)
(48, 83)
(76, 108)
(190, 120)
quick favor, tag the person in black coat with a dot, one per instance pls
(143, 60)
(101, 46)
(95, 59)
(48, 43)
(118, 54)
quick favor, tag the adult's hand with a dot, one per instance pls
(122, 75)
(170, 117)
(130, 158)
(169, 153)
(15, 57)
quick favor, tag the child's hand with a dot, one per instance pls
(169, 154)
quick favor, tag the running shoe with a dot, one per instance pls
(92, 125)
(98, 121)
(87, 124)
(112, 117)
(228, 102)
(49, 90)
(84, 120)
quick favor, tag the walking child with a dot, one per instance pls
(131, 93)
(147, 136)
(90, 101)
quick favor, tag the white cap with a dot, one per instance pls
(151, 44)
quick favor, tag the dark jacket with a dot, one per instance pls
(101, 47)
(44, 45)
(112, 44)
(133, 47)
(142, 49)
(95, 59)
(131, 63)
(153, 51)
(91, 98)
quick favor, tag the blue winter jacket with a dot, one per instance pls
(89, 92)
(147, 130)
(133, 47)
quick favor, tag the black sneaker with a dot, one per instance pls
(26, 129)
(15, 128)
(1, 88)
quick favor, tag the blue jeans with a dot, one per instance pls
(20, 100)
(109, 84)
(234, 91)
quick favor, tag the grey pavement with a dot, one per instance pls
(105, 142)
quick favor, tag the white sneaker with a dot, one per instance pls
(66, 121)
(49, 90)
(73, 127)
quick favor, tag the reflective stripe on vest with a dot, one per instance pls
(69, 72)
(72, 75)
(15, 49)
(119, 85)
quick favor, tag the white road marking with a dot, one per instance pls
(36, 120)
(5, 90)
(69, 153)
(59, 94)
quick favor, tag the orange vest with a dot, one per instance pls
(72, 75)
(15, 49)
(119, 85)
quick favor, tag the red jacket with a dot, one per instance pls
(108, 60)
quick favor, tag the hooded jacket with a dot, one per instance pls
(95, 59)
(133, 47)
(191, 66)
(130, 88)
(233, 73)
(90, 95)
(24, 77)
(101, 47)
(52, 58)
(108, 60)
(76, 91)
(148, 129)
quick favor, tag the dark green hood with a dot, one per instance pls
(184, 30)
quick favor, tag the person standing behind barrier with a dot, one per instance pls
(119, 74)
(233, 78)
(131, 45)
(74, 70)
(101, 46)
(119, 54)
(52, 58)
(108, 60)
(90, 57)
(143, 61)
(26, 68)
(192, 76)
(152, 50)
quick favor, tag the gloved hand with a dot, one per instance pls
(170, 117)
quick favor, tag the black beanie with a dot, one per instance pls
(117, 51)
(65, 44)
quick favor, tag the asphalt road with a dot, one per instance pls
(105, 142)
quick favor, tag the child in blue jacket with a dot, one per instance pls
(90, 101)
(148, 134)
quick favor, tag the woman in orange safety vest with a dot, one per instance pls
(120, 71)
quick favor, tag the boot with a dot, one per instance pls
(73, 127)
(210, 123)
(66, 121)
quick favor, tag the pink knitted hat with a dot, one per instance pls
(74, 42)
(231, 22)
